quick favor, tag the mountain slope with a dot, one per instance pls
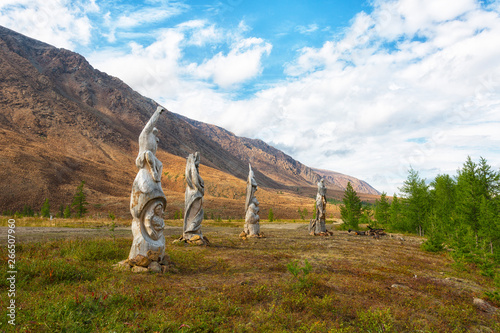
(62, 121)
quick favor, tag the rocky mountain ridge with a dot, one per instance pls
(61, 121)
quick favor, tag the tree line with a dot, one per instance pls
(77, 208)
(460, 212)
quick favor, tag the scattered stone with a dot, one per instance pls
(397, 285)
(122, 265)
(139, 269)
(165, 260)
(481, 329)
(154, 267)
(178, 240)
(153, 255)
(484, 306)
(140, 260)
(244, 283)
(194, 240)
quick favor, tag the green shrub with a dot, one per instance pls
(374, 321)
(301, 274)
(433, 244)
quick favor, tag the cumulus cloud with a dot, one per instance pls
(152, 70)
(413, 82)
(242, 63)
(428, 70)
(160, 71)
(59, 22)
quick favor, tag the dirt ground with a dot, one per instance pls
(42, 234)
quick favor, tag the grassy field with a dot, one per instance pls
(286, 282)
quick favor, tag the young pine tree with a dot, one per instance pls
(350, 211)
(67, 212)
(367, 216)
(416, 203)
(443, 197)
(395, 216)
(382, 207)
(271, 215)
(45, 210)
(80, 201)
(28, 211)
(476, 184)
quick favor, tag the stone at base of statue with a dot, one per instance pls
(193, 240)
(318, 228)
(244, 235)
(139, 269)
(154, 267)
(153, 263)
(140, 260)
(153, 255)
(122, 265)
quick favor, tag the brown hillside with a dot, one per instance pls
(62, 121)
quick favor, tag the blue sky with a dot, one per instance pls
(365, 88)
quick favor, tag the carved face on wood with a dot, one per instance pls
(153, 220)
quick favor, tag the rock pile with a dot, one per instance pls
(153, 262)
(194, 240)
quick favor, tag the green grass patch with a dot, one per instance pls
(287, 282)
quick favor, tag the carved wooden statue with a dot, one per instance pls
(318, 225)
(252, 227)
(147, 200)
(193, 204)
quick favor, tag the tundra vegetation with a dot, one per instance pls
(289, 281)
(460, 213)
(442, 251)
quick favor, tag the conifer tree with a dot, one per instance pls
(271, 215)
(67, 212)
(395, 216)
(28, 211)
(45, 210)
(80, 201)
(443, 197)
(416, 203)
(382, 207)
(350, 211)
(478, 189)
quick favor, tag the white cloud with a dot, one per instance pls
(306, 30)
(152, 70)
(160, 71)
(243, 62)
(399, 73)
(57, 22)
(148, 15)
(413, 82)
(200, 33)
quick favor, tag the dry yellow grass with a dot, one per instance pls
(355, 284)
